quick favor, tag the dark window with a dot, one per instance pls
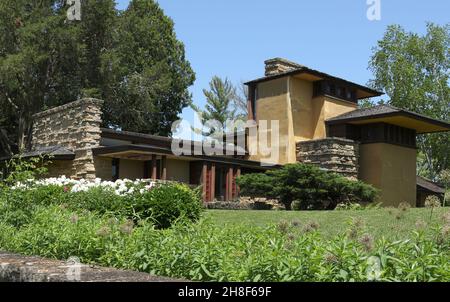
(115, 169)
(332, 89)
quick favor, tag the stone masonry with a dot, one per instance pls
(19, 268)
(75, 126)
(333, 154)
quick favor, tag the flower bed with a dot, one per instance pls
(162, 203)
(120, 187)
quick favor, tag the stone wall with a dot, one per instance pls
(75, 126)
(18, 268)
(334, 154)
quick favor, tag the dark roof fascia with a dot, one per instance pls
(318, 74)
(136, 137)
(429, 186)
(147, 139)
(45, 156)
(399, 112)
(210, 158)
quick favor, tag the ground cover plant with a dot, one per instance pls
(114, 224)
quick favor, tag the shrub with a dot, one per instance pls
(227, 205)
(163, 203)
(311, 187)
(16, 206)
(168, 203)
(256, 185)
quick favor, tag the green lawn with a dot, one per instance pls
(378, 222)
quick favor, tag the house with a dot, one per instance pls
(318, 122)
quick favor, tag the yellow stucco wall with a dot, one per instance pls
(103, 168)
(273, 104)
(325, 108)
(302, 109)
(131, 169)
(392, 169)
(301, 117)
(178, 170)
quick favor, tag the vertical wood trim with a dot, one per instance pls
(154, 167)
(164, 167)
(227, 185)
(250, 100)
(230, 184)
(238, 173)
(204, 181)
(213, 182)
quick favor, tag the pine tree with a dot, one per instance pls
(221, 106)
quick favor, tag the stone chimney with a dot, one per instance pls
(278, 65)
(75, 126)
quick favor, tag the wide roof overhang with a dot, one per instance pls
(145, 152)
(402, 118)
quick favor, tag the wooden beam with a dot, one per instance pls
(251, 95)
(230, 184)
(154, 167)
(227, 181)
(204, 181)
(213, 182)
(238, 173)
(164, 167)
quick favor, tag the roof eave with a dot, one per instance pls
(374, 93)
(408, 114)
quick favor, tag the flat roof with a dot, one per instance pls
(133, 150)
(391, 115)
(318, 75)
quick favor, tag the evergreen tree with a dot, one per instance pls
(221, 106)
(130, 59)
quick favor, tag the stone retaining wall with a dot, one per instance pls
(75, 126)
(18, 268)
(334, 154)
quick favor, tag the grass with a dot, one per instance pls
(390, 223)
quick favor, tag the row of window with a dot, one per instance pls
(334, 89)
(375, 133)
(388, 133)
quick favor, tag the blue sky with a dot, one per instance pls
(232, 38)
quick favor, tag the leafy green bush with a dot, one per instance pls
(256, 185)
(311, 187)
(163, 204)
(17, 205)
(168, 203)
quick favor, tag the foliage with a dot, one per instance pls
(18, 170)
(131, 59)
(222, 107)
(357, 206)
(146, 72)
(311, 187)
(227, 205)
(413, 70)
(207, 252)
(256, 185)
(163, 204)
(166, 204)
